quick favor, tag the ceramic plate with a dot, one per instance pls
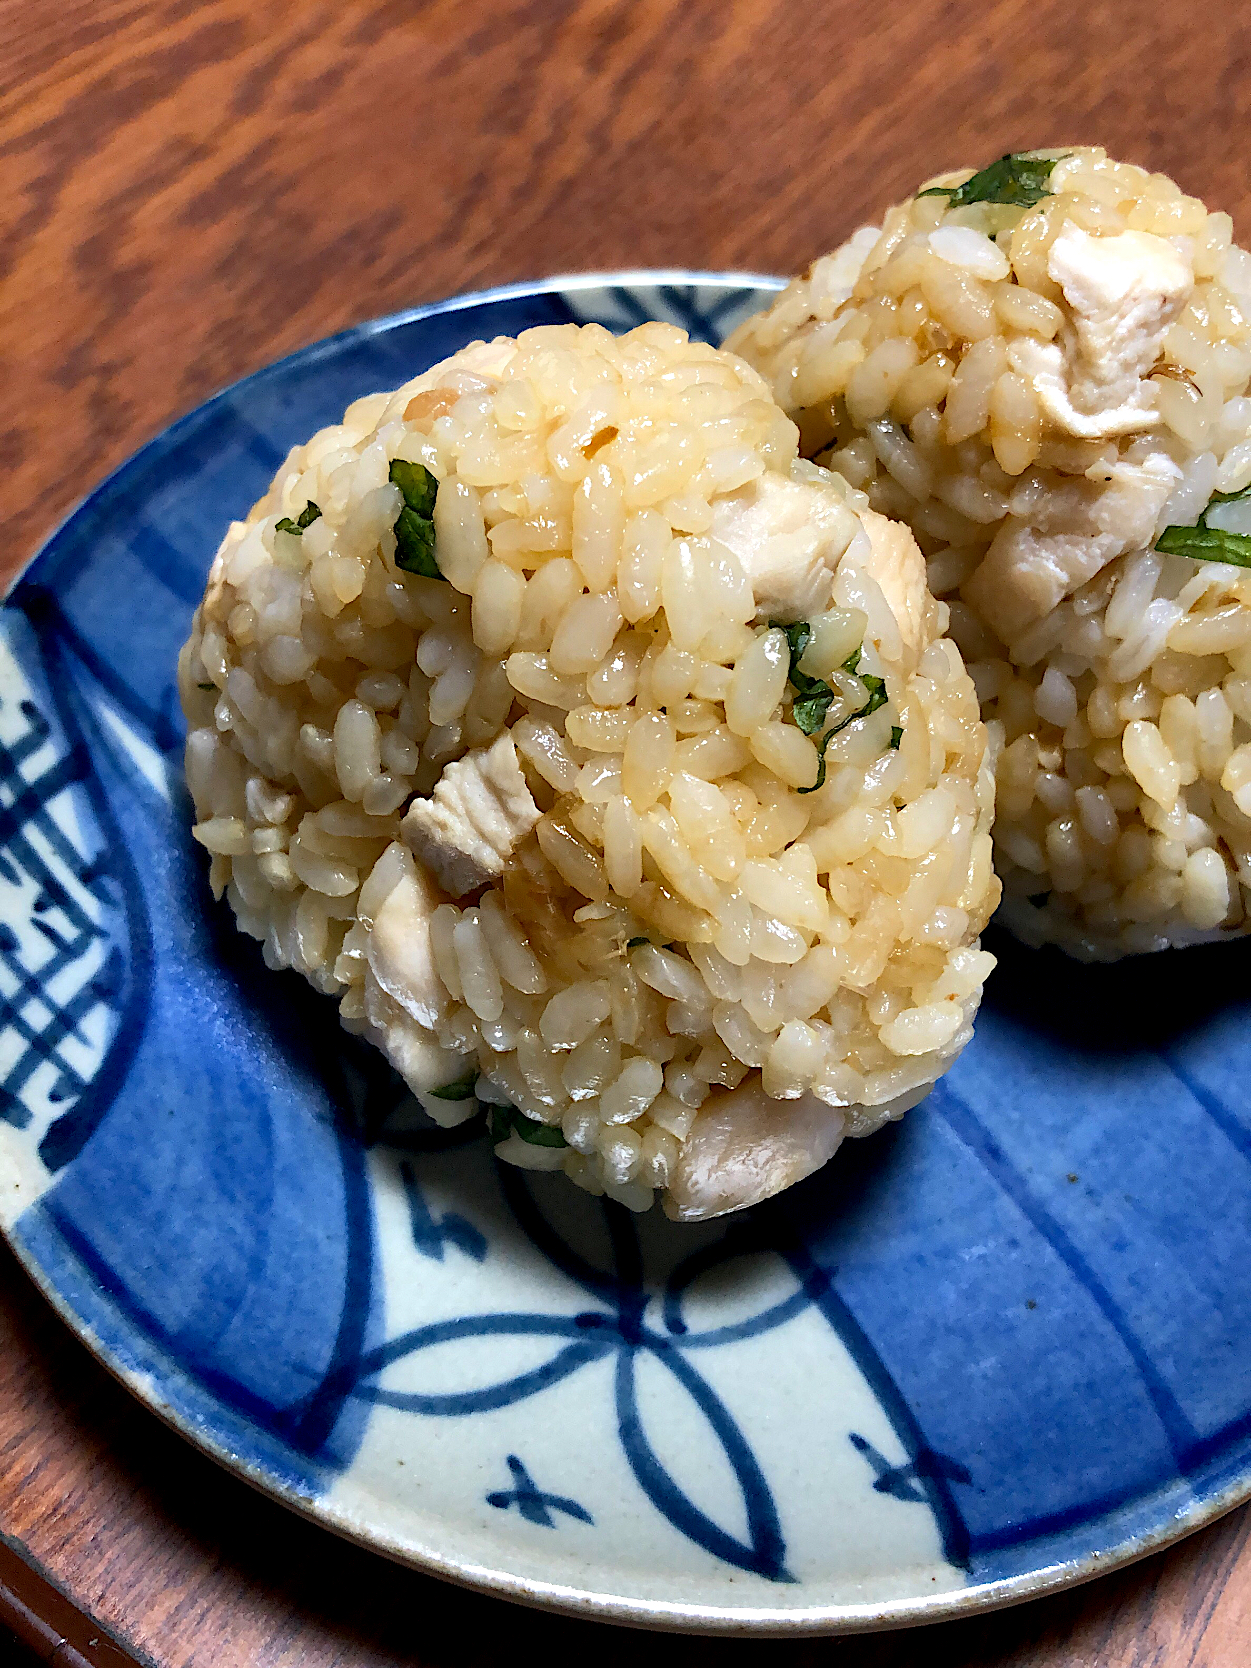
(997, 1348)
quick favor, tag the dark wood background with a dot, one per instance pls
(191, 188)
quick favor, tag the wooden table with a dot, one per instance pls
(193, 187)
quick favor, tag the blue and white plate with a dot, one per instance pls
(995, 1349)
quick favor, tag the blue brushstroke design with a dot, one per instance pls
(621, 1330)
(533, 1504)
(902, 1482)
(432, 1234)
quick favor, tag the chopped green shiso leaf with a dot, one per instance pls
(506, 1121)
(1016, 179)
(813, 697)
(1210, 544)
(414, 526)
(877, 698)
(307, 516)
(462, 1089)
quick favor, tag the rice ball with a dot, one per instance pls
(605, 761)
(1044, 369)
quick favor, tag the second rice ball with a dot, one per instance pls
(1044, 368)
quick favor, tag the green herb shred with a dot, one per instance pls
(307, 516)
(537, 1134)
(1210, 544)
(813, 698)
(896, 736)
(1017, 179)
(414, 526)
(809, 711)
(633, 943)
(798, 634)
(877, 698)
(462, 1089)
(206, 686)
(418, 485)
(506, 1120)
(821, 747)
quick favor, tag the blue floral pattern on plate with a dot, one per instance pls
(1000, 1345)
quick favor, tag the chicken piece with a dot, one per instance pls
(404, 997)
(882, 573)
(788, 535)
(744, 1147)
(897, 565)
(479, 813)
(1074, 528)
(1123, 292)
(832, 278)
(486, 358)
(418, 1056)
(1025, 573)
(399, 952)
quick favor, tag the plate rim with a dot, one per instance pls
(582, 1603)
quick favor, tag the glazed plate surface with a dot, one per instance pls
(997, 1348)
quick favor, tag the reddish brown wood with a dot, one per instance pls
(46, 1625)
(193, 187)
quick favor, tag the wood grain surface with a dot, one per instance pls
(193, 187)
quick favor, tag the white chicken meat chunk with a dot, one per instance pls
(882, 573)
(787, 535)
(1061, 533)
(399, 954)
(479, 360)
(744, 1147)
(479, 813)
(897, 566)
(418, 1056)
(404, 997)
(1122, 292)
(832, 278)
